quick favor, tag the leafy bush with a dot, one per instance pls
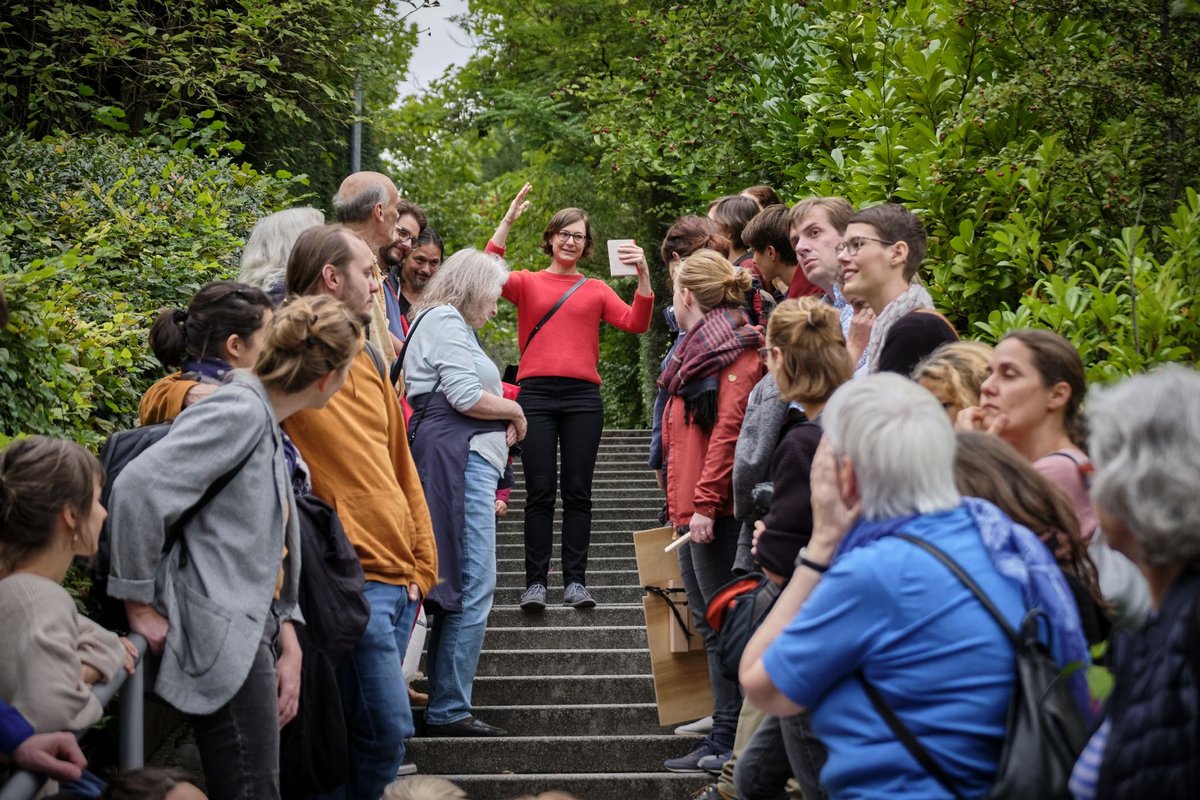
(97, 234)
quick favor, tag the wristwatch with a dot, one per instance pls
(802, 560)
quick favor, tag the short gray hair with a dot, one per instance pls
(358, 207)
(901, 444)
(264, 260)
(1145, 436)
(468, 280)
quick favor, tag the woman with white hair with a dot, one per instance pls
(867, 610)
(1145, 434)
(265, 257)
(460, 432)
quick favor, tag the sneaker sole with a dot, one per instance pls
(581, 604)
(534, 605)
(685, 770)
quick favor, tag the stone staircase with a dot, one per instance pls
(572, 688)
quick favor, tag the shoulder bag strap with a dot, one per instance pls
(906, 737)
(175, 532)
(398, 364)
(582, 280)
(415, 421)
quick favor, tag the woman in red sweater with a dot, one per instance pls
(708, 380)
(560, 388)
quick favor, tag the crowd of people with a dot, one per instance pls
(817, 422)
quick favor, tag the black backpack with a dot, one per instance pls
(119, 449)
(735, 611)
(314, 747)
(1045, 731)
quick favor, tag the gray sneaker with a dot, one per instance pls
(534, 597)
(576, 596)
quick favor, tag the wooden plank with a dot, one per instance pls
(682, 690)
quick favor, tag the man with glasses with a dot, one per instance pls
(880, 253)
(399, 291)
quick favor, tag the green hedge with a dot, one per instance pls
(96, 234)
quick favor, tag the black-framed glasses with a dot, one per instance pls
(763, 354)
(567, 236)
(855, 243)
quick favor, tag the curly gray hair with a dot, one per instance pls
(469, 280)
(1145, 437)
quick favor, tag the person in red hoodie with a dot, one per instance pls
(708, 380)
(560, 388)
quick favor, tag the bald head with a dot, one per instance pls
(366, 203)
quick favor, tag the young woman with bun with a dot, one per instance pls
(708, 380)
(220, 599)
(560, 388)
(1032, 398)
(220, 330)
(953, 373)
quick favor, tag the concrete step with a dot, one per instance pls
(629, 511)
(514, 533)
(534, 690)
(546, 637)
(603, 594)
(564, 662)
(516, 551)
(543, 754)
(583, 786)
(572, 720)
(595, 577)
(601, 563)
(607, 615)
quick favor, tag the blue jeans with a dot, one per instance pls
(456, 639)
(374, 694)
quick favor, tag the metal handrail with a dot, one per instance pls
(130, 725)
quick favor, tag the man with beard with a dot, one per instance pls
(400, 290)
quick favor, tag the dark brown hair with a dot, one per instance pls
(1057, 361)
(771, 227)
(219, 310)
(988, 467)
(408, 207)
(814, 359)
(690, 233)
(308, 338)
(762, 194)
(895, 223)
(560, 220)
(39, 477)
(316, 247)
(732, 213)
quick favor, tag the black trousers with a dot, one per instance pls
(565, 416)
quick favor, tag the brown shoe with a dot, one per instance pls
(416, 698)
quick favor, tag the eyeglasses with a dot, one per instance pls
(567, 236)
(852, 246)
(405, 235)
(763, 354)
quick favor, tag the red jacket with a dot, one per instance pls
(700, 464)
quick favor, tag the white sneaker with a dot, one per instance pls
(701, 727)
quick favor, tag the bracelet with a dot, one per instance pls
(803, 561)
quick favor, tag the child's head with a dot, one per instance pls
(48, 487)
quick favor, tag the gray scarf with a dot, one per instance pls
(914, 297)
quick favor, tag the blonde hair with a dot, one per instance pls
(308, 338)
(469, 280)
(423, 787)
(813, 360)
(958, 369)
(712, 280)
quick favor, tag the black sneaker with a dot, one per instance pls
(691, 761)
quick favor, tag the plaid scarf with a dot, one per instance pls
(713, 344)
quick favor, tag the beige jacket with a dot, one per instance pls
(44, 643)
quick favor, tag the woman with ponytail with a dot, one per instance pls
(1032, 398)
(220, 330)
(708, 380)
(216, 602)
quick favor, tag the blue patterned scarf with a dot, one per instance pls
(1021, 556)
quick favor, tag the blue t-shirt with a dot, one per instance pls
(925, 642)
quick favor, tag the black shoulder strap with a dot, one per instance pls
(582, 280)
(175, 532)
(415, 421)
(398, 365)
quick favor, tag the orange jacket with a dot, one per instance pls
(163, 401)
(699, 463)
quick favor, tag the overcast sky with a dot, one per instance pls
(442, 44)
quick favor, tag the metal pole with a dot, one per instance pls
(356, 128)
(131, 731)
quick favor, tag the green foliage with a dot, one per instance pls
(96, 234)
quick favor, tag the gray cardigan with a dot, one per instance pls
(219, 603)
(761, 424)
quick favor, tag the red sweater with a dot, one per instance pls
(569, 344)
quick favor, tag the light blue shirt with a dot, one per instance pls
(446, 346)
